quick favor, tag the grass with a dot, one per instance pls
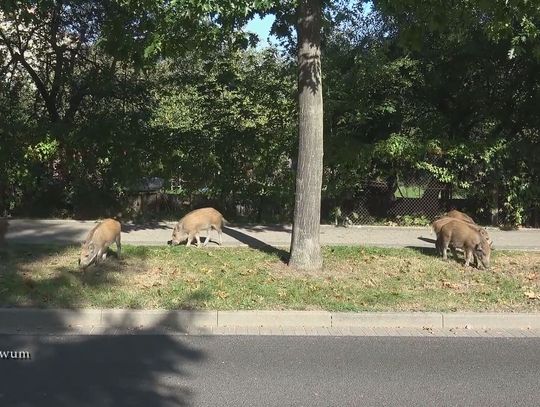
(353, 279)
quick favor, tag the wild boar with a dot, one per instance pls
(439, 223)
(98, 241)
(194, 222)
(459, 215)
(456, 234)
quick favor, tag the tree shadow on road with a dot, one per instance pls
(426, 239)
(41, 231)
(127, 364)
(263, 228)
(143, 369)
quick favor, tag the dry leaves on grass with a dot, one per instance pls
(152, 278)
(532, 276)
(531, 295)
(449, 284)
(222, 294)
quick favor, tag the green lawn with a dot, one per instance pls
(353, 279)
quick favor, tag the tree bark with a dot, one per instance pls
(305, 246)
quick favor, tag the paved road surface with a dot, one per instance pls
(70, 231)
(161, 370)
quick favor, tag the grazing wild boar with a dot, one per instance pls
(98, 241)
(456, 234)
(194, 222)
(454, 213)
(439, 223)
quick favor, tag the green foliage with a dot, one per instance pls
(230, 123)
(412, 220)
(175, 89)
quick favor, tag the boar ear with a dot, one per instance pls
(91, 247)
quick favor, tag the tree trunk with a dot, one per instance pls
(305, 246)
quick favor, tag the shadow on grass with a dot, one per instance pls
(115, 367)
(20, 285)
(432, 252)
(427, 251)
(257, 244)
(4, 224)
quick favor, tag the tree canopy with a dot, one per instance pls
(95, 96)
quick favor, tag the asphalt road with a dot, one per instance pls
(30, 231)
(163, 370)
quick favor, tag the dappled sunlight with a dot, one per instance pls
(353, 278)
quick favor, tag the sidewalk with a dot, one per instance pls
(303, 323)
(33, 231)
(312, 323)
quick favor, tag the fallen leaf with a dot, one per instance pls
(222, 294)
(449, 284)
(531, 295)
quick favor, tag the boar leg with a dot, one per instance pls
(438, 246)
(198, 239)
(207, 237)
(189, 240)
(468, 257)
(219, 236)
(443, 246)
(454, 252)
(444, 249)
(118, 247)
(97, 257)
(476, 261)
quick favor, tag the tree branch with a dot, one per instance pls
(74, 103)
(58, 51)
(49, 102)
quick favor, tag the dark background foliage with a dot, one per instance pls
(97, 96)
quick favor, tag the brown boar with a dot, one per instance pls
(439, 223)
(194, 222)
(459, 215)
(98, 240)
(456, 234)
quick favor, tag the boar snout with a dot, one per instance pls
(483, 255)
(178, 236)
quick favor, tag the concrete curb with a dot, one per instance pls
(107, 320)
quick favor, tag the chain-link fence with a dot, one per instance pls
(414, 200)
